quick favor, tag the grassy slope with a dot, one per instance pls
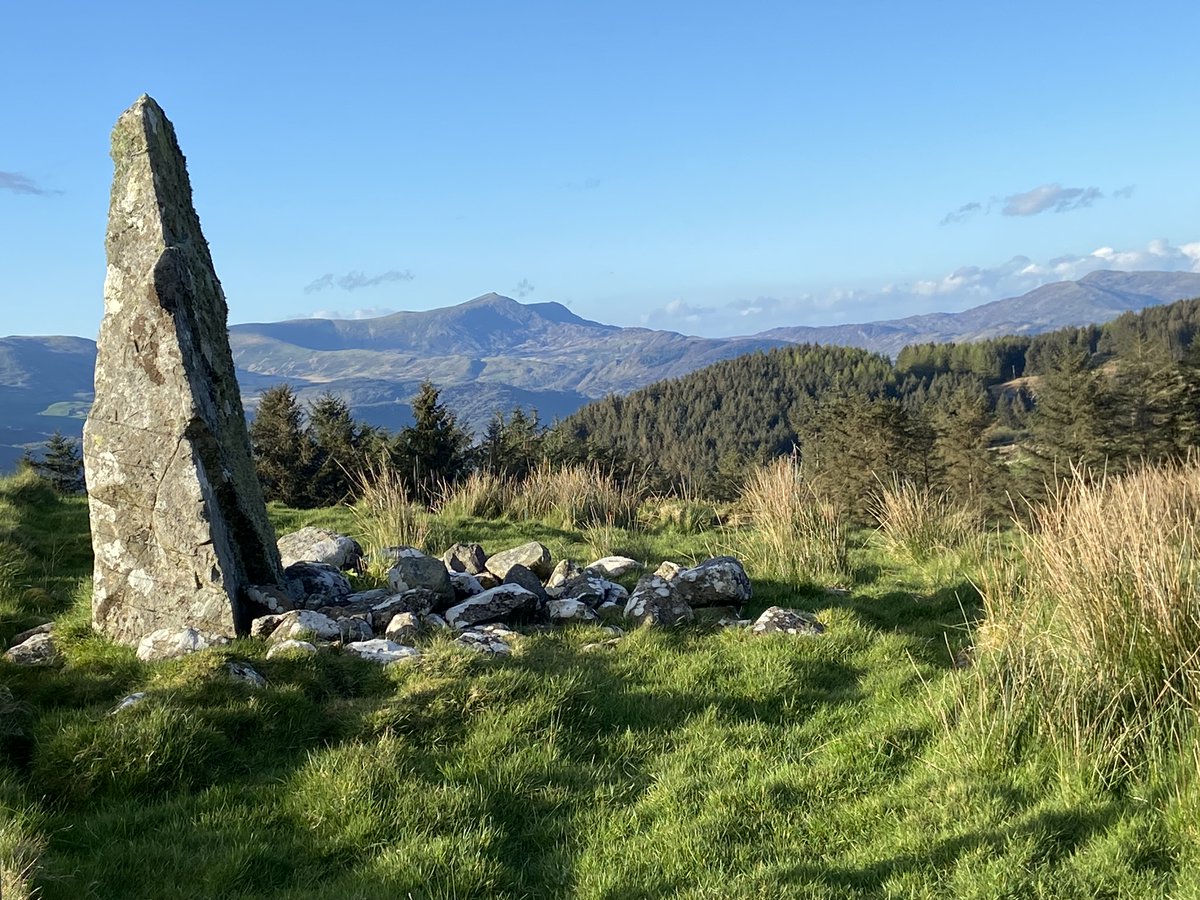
(684, 763)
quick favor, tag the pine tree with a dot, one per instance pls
(1071, 425)
(285, 455)
(61, 463)
(970, 470)
(338, 441)
(432, 452)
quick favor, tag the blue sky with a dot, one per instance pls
(708, 168)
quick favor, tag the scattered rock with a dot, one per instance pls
(423, 572)
(483, 642)
(467, 558)
(593, 590)
(569, 611)
(533, 556)
(777, 620)
(382, 651)
(36, 650)
(434, 622)
(717, 615)
(614, 566)
(243, 671)
(165, 643)
(419, 602)
(312, 544)
(126, 702)
(465, 585)
(284, 648)
(655, 602)
(720, 581)
(179, 527)
(520, 575)
(268, 597)
(302, 624)
(497, 603)
(44, 628)
(563, 572)
(312, 585)
(487, 580)
(404, 628)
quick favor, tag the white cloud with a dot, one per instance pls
(957, 290)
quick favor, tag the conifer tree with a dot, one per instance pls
(61, 463)
(1071, 425)
(284, 452)
(432, 452)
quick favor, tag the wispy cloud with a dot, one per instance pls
(372, 312)
(1050, 198)
(964, 212)
(22, 184)
(523, 289)
(678, 313)
(353, 281)
(1043, 198)
(587, 184)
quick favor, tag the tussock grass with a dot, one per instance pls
(384, 514)
(796, 536)
(576, 497)
(479, 495)
(916, 523)
(1093, 632)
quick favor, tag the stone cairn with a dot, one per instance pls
(185, 556)
(179, 526)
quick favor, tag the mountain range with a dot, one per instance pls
(493, 353)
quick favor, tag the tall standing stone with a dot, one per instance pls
(179, 527)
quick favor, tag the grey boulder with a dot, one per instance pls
(533, 556)
(312, 544)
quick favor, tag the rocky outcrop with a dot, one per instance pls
(179, 527)
(312, 585)
(655, 602)
(614, 566)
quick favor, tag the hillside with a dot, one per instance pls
(493, 353)
(1096, 298)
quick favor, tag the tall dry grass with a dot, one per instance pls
(797, 537)
(576, 497)
(916, 523)
(482, 495)
(384, 514)
(1092, 636)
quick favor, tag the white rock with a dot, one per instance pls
(287, 647)
(300, 624)
(382, 651)
(167, 644)
(36, 650)
(243, 671)
(126, 702)
(569, 611)
(614, 566)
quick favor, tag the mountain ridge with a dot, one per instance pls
(493, 352)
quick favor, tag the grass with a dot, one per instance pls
(797, 537)
(688, 763)
(1093, 631)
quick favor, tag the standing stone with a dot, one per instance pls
(179, 527)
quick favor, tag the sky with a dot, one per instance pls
(709, 168)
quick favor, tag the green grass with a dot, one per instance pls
(688, 763)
